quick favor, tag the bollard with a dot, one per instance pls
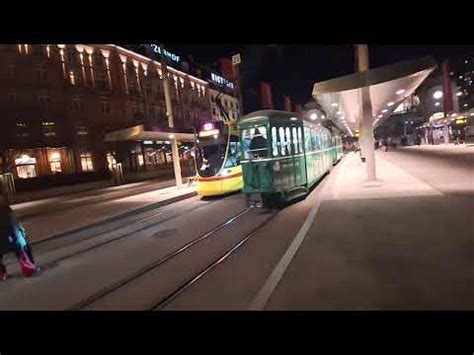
(7, 185)
(117, 174)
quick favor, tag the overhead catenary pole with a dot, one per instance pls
(236, 61)
(366, 128)
(169, 114)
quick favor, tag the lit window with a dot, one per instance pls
(55, 167)
(86, 162)
(55, 162)
(72, 78)
(25, 167)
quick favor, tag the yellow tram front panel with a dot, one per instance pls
(227, 181)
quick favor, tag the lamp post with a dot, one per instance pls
(169, 114)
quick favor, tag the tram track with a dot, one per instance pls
(103, 293)
(163, 302)
(108, 241)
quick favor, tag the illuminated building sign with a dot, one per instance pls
(211, 132)
(222, 81)
(461, 120)
(171, 56)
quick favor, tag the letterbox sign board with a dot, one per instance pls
(236, 59)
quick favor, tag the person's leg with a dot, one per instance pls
(3, 268)
(29, 252)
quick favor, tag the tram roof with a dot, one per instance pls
(389, 86)
(271, 114)
(277, 115)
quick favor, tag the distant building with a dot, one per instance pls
(59, 100)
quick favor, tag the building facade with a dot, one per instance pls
(59, 100)
(228, 103)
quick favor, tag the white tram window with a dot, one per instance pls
(307, 139)
(314, 140)
(300, 139)
(274, 142)
(281, 131)
(295, 140)
(255, 142)
(288, 140)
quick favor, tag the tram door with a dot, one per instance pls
(298, 156)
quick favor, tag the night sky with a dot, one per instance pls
(293, 69)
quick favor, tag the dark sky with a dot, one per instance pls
(293, 69)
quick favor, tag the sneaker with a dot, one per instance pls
(3, 276)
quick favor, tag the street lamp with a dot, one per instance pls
(438, 94)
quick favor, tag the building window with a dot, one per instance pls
(71, 55)
(55, 166)
(105, 107)
(48, 129)
(26, 167)
(44, 101)
(72, 78)
(77, 104)
(41, 73)
(86, 162)
(55, 162)
(82, 131)
(148, 90)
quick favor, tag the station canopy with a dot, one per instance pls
(138, 133)
(389, 86)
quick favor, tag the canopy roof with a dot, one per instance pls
(388, 85)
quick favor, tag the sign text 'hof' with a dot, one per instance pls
(169, 55)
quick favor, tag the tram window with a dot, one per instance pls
(274, 142)
(233, 155)
(295, 140)
(307, 139)
(281, 130)
(314, 140)
(288, 140)
(254, 141)
(300, 139)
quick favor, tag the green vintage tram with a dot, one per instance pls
(284, 155)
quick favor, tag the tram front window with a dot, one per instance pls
(210, 155)
(254, 142)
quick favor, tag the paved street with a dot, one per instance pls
(46, 217)
(405, 243)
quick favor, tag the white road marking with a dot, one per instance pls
(269, 287)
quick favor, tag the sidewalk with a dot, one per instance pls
(156, 175)
(397, 245)
(44, 226)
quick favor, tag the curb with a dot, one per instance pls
(118, 216)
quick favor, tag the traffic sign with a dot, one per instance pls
(236, 59)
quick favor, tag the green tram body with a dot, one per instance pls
(294, 155)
